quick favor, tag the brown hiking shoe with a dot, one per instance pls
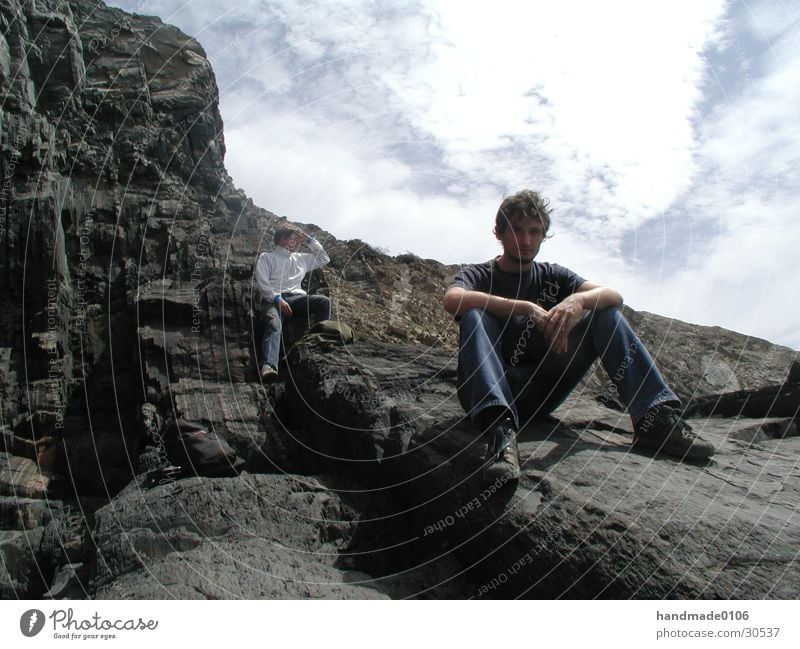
(268, 373)
(502, 456)
(664, 431)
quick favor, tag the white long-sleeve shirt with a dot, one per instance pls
(280, 271)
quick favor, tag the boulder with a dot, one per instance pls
(251, 537)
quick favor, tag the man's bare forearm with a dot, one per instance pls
(458, 300)
(599, 297)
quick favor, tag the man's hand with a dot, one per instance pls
(538, 313)
(559, 321)
(286, 310)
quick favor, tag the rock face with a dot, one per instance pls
(126, 256)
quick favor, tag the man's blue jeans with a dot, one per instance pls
(303, 306)
(529, 389)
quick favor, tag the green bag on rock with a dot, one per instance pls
(328, 334)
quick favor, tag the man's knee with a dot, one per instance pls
(474, 317)
(477, 325)
(272, 321)
(612, 326)
(610, 312)
(609, 317)
(320, 305)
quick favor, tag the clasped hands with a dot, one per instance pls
(557, 323)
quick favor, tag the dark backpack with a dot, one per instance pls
(190, 446)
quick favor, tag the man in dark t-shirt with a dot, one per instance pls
(529, 331)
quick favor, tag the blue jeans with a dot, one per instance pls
(318, 306)
(529, 388)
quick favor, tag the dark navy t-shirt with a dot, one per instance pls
(545, 284)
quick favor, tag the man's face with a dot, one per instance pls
(291, 242)
(521, 239)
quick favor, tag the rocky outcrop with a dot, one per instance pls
(253, 537)
(590, 517)
(126, 255)
(772, 401)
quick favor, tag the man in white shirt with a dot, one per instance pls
(278, 275)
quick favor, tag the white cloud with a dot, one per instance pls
(603, 92)
(769, 21)
(744, 277)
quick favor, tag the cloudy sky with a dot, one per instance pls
(666, 135)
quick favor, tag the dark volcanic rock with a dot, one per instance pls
(772, 401)
(256, 536)
(590, 518)
(248, 537)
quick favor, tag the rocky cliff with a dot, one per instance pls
(125, 258)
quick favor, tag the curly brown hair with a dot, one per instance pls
(525, 203)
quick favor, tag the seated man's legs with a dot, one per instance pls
(303, 306)
(318, 306)
(485, 393)
(271, 342)
(604, 334)
(488, 384)
(482, 383)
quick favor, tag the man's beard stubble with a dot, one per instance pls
(519, 260)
